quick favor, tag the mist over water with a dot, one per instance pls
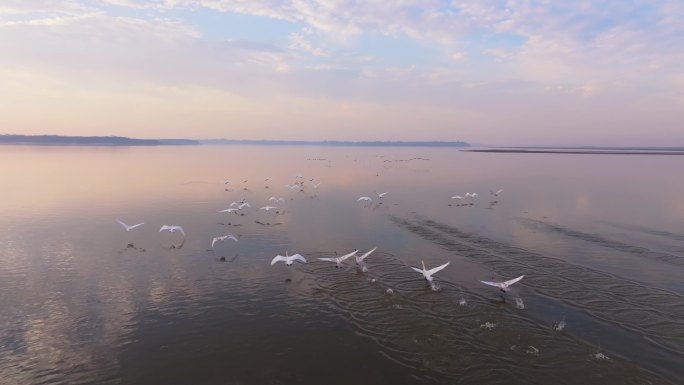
(600, 240)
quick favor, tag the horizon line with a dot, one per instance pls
(114, 140)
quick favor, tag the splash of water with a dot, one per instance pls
(389, 291)
(559, 326)
(531, 350)
(434, 286)
(462, 302)
(488, 325)
(600, 356)
(519, 303)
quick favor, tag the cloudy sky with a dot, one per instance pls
(515, 72)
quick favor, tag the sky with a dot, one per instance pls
(518, 72)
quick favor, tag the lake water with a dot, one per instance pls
(599, 238)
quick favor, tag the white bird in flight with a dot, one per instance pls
(230, 210)
(338, 260)
(503, 286)
(288, 259)
(427, 274)
(243, 205)
(366, 199)
(172, 228)
(129, 228)
(276, 200)
(382, 195)
(222, 238)
(267, 208)
(497, 192)
(360, 258)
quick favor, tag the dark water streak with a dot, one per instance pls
(657, 315)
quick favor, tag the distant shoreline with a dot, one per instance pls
(332, 143)
(581, 151)
(57, 140)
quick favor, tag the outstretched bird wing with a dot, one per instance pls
(438, 268)
(328, 259)
(512, 281)
(123, 224)
(278, 258)
(165, 227)
(342, 258)
(418, 270)
(495, 284)
(361, 258)
(298, 257)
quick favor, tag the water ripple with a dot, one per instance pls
(654, 313)
(431, 332)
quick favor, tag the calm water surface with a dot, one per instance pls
(600, 240)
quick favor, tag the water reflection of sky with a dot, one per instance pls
(77, 290)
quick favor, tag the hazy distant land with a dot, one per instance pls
(584, 150)
(57, 140)
(335, 143)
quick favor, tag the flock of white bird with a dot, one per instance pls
(289, 260)
(426, 273)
